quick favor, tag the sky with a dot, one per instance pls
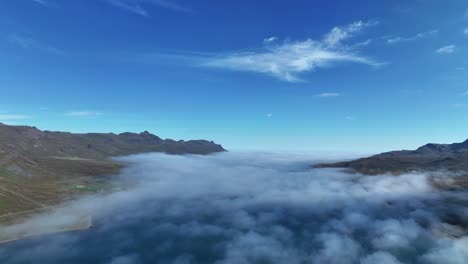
(360, 76)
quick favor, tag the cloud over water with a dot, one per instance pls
(253, 208)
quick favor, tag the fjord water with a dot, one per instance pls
(251, 208)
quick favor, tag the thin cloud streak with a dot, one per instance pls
(42, 2)
(170, 5)
(422, 35)
(338, 34)
(128, 6)
(138, 6)
(446, 49)
(85, 113)
(326, 95)
(287, 60)
(270, 40)
(8, 117)
(27, 42)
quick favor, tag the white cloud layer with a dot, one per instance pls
(446, 49)
(287, 60)
(252, 208)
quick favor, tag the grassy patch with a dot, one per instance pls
(93, 187)
(4, 172)
(3, 204)
(86, 188)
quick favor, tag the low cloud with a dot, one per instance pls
(252, 208)
(446, 49)
(287, 60)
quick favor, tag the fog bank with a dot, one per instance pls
(252, 208)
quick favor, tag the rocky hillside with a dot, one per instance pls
(31, 141)
(40, 168)
(28, 150)
(452, 157)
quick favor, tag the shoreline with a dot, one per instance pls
(85, 226)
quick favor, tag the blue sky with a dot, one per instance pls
(354, 76)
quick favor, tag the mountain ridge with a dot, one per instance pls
(429, 157)
(43, 168)
(98, 144)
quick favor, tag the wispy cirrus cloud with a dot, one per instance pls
(270, 40)
(13, 119)
(169, 4)
(465, 31)
(459, 105)
(421, 35)
(131, 6)
(338, 34)
(287, 60)
(446, 49)
(327, 95)
(28, 42)
(139, 7)
(84, 113)
(10, 117)
(42, 2)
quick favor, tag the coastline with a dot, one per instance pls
(85, 225)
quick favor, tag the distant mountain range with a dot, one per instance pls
(41, 168)
(430, 157)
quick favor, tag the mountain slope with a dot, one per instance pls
(452, 157)
(41, 168)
